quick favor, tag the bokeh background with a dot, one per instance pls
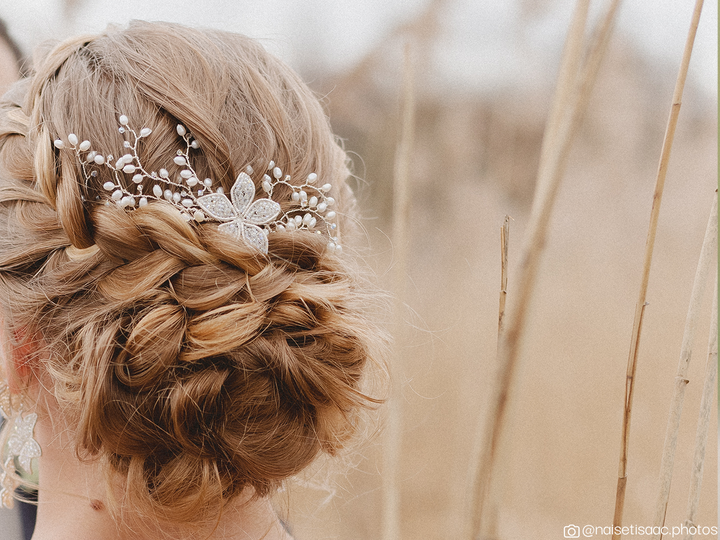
(484, 75)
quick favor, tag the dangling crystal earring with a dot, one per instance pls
(21, 444)
(8, 484)
(5, 401)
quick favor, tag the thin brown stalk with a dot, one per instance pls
(572, 92)
(649, 246)
(681, 380)
(490, 522)
(703, 425)
(391, 523)
(504, 239)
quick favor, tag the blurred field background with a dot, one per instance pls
(485, 72)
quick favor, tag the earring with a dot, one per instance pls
(5, 401)
(8, 484)
(21, 444)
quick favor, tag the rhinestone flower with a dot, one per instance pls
(242, 215)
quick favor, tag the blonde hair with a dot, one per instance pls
(192, 364)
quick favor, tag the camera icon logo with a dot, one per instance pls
(571, 531)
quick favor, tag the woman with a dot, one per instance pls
(182, 331)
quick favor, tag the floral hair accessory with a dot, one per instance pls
(242, 215)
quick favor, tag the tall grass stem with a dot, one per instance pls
(649, 246)
(575, 82)
(681, 380)
(703, 425)
(504, 242)
(391, 519)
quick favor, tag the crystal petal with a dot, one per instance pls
(262, 211)
(255, 236)
(218, 206)
(30, 450)
(242, 192)
(233, 228)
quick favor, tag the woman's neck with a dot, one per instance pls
(72, 504)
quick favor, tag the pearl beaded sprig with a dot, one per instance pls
(314, 204)
(242, 216)
(182, 196)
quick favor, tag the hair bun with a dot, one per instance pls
(193, 364)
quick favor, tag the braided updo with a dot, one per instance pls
(192, 364)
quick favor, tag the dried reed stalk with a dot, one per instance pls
(703, 425)
(504, 239)
(490, 516)
(681, 380)
(640, 305)
(391, 523)
(575, 83)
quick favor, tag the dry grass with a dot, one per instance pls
(681, 380)
(641, 302)
(401, 221)
(473, 163)
(556, 144)
(504, 246)
(703, 425)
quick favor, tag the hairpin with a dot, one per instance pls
(243, 216)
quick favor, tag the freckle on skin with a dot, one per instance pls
(97, 505)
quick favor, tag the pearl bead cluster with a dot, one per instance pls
(196, 200)
(314, 204)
